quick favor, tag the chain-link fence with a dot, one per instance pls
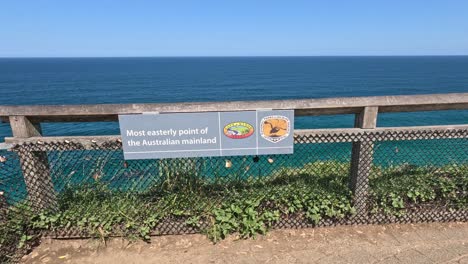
(69, 189)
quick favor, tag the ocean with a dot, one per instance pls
(153, 80)
(52, 81)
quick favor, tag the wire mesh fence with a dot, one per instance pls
(69, 189)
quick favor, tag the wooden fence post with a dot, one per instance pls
(3, 207)
(361, 160)
(35, 166)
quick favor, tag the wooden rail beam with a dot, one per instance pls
(302, 107)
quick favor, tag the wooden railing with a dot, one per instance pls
(25, 121)
(302, 107)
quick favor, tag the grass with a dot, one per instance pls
(246, 206)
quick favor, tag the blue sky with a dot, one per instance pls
(47, 28)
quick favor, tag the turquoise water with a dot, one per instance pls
(75, 168)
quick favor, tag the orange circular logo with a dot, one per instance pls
(275, 128)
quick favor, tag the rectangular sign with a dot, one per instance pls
(158, 136)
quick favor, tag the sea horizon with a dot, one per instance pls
(229, 56)
(123, 80)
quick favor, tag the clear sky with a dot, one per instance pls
(63, 28)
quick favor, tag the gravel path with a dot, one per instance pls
(421, 243)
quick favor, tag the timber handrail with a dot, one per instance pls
(302, 107)
(25, 120)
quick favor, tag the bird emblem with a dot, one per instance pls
(275, 128)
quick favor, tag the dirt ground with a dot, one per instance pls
(422, 243)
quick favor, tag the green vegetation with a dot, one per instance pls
(400, 188)
(226, 205)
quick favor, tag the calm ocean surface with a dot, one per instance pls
(153, 80)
